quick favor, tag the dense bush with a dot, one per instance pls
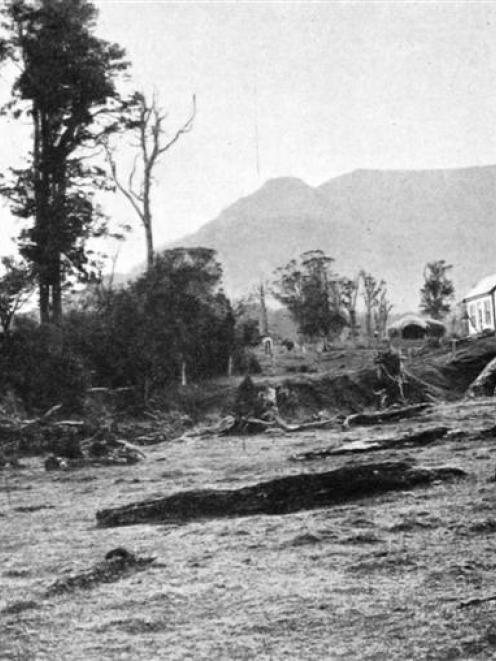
(173, 317)
(40, 371)
(141, 335)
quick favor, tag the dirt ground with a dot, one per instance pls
(379, 578)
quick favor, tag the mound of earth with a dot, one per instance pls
(443, 376)
(450, 374)
(438, 375)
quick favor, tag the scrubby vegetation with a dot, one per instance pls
(172, 323)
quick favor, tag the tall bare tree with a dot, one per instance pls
(349, 293)
(384, 307)
(371, 291)
(263, 310)
(152, 142)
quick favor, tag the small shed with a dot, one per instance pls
(480, 305)
(415, 327)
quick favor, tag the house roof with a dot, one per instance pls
(484, 286)
(415, 320)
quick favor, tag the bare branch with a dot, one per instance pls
(130, 183)
(113, 171)
(186, 128)
(150, 133)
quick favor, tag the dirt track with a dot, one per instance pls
(380, 578)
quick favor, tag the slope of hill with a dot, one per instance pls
(387, 222)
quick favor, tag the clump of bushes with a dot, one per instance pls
(173, 321)
(41, 372)
(173, 318)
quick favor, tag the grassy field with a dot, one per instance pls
(379, 578)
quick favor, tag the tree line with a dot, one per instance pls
(323, 303)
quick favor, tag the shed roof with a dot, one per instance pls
(415, 320)
(484, 286)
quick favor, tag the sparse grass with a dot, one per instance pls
(376, 579)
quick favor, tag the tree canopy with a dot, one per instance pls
(174, 315)
(438, 290)
(312, 293)
(67, 87)
(16, 285)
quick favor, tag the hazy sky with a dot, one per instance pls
(329, 87)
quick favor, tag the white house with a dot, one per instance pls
(481, 305)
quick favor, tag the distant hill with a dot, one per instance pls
(387, 222)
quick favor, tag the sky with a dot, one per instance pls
(304, 89)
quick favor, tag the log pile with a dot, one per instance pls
(280, 496)
(28, 436)
(67, 443)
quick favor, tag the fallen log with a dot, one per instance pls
(415, 439)
(279, 496)
(476, 601)
(388, 415)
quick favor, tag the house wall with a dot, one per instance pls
(481, 314)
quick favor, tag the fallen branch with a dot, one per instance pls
(313, 424)
(249, 424)
(279, 496)
(415, 439)
(389, 415)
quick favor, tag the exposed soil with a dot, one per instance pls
(345, 381)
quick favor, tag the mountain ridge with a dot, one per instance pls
(389, 222)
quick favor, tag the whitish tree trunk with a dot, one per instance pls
(147, 222)
(263, 311)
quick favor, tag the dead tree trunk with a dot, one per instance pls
(153, 143)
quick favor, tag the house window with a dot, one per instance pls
(479, 315)
(487, 313)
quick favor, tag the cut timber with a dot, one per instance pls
(415, 439)
(485, 383)
(389, 415)
(280, 496)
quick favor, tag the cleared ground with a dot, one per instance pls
(380, 578)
